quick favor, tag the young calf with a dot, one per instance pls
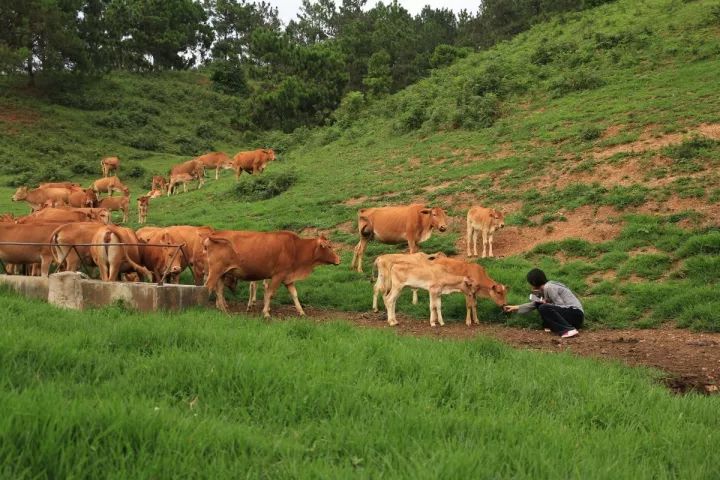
(431, 277)
(142, 204)
(485, 220)
(116, 204)
(383, 264)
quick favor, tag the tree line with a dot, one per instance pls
(292, 75)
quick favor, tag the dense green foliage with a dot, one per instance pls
(110, 393)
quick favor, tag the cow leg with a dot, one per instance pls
(293, 293)
(415, 296)
(269, 291)
(438, 307)
(217, 172)
(469, 239)
(432, 309)
(485, 241)
(220, 302)
(376, 292)
(490, 242)
(358, 254)
(468, 310)
(474, 311)
(413, 246)
(252, 295)
(390, 301)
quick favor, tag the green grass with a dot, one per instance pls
(113, 394)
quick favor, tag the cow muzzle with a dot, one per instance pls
(442, 228)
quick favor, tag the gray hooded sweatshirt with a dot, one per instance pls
(557, 294)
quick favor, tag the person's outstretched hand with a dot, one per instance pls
(510, 308)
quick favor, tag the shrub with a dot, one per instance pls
(590, 133)
(83, 168)
(575, 81)
(349, 109)
(136, 172)
(445, 55)
(206, 131)
(229, 77)
(478, 111)
(691, 148)
(548, 52)
(265, 186)
(192, 146)
(572, 247)
(145, 143)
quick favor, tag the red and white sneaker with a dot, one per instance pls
(547, 330)
(569, 333)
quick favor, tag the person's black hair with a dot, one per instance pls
(536, 277)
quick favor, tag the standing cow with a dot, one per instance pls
(253, 161)
(110, 164)
(486, 221)
(216, 160)
(282, 257)
(110, 185)
(407, 223)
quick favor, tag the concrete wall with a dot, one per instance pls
(74, 290)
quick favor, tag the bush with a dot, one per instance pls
(349, 109)
(549, 53)
(590, 133)
(136, 172)
(445, 55)
(691, 148)
(192, 146)
(265, 186)
(83, 168)
(575, 81)
(229, 77)
(478, 111)
(145, 143)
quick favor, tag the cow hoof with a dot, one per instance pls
(433, 325)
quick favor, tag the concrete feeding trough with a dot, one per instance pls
(74, 290)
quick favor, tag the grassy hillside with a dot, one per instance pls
(597, 133)
(204, 395)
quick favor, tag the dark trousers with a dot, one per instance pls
(560, 319)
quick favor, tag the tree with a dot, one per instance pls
(316, 22)
(379, 77)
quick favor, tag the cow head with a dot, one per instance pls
(99, 215)
(172, 259)
(125, 190)
(498, 294)
(269, 154)
(91, 198)
(438, 218)
(498, 218)
(20, 194)
(324, 253)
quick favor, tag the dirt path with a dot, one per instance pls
(691, 359)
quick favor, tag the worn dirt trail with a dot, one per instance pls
(692, 360)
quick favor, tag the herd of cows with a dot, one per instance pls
(71, 226)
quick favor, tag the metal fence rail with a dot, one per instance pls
(179, 248)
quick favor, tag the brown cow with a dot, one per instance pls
(142, 206)
(282, 257)
(116, 204)
(110, 164)
(70, 185)
(110, 185)
(486, 286)
(428, 276)
(66, 215)
(159, 183)
(485, 220)
(184, 178)
(79, 234)
(193, 250)
(37, 197)
(253, 161)
(154, 194)
(216, 160)
(407, 223)
(193, 167)
(27, 254)
(83, 198)
(162, 259)
(7, 218)
(112, 258)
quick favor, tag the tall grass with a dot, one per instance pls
(110, 393)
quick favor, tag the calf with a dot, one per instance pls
(382, 266)
(116, 204)
(192, 169)
(486, 286)
(35, 233)
(164, 259)
(407, 223)
(433, 278)
(159, 183)
(486, 221)
(282, 257)
(142, 206)
(184, 178)
(82, 198)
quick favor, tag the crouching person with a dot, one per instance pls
(560, 310)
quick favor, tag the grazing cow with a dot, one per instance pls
(382, 266)
(83, 198)
(485, 220)
(253, 161)
(193, 250)
(428, 276)
(486, 286)
(154, 194)
(110, 185)
(116, 204)
(110, 164)
(67, 215)
(112, 258)
(142, 206)
(37, 197)
(282, 257)
(161, 259)
(184, 178)
(27, 254)
(407, 223)
(216, 160)
(159, 183)
(194, 168)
